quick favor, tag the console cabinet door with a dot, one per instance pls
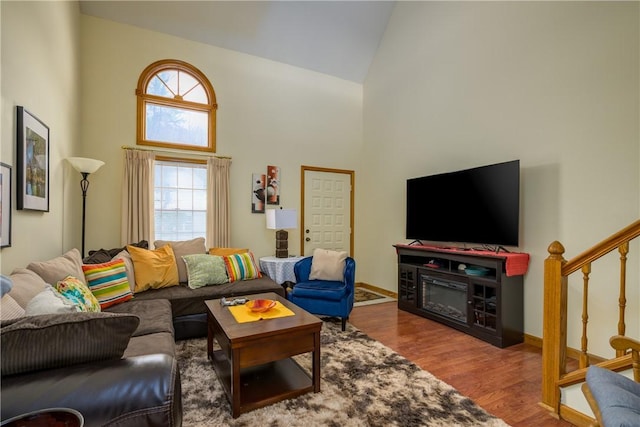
(485, 306)
(407, 285)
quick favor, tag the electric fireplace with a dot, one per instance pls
(444, 297)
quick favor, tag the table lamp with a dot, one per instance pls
(85, 167)
(279, 219)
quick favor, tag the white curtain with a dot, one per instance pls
(218, 202)
(137, 197)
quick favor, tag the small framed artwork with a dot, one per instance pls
(273, 185)
(5, 205)
(32, 180)
(258, 192)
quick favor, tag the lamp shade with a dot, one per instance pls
(84, 165)
(279, 219)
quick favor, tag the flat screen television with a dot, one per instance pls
(479, 205)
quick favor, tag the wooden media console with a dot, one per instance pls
(477, 292)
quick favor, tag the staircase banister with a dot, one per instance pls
(628, 233)
(577, 376)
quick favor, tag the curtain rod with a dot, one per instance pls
(165, 151)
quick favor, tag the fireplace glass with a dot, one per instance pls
(444, 297)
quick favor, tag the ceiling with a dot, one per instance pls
(338, 38)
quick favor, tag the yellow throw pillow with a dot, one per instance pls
(227, 251)
(154, 269)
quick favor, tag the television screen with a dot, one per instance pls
(479, 205)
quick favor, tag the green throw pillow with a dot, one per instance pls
(204, 269)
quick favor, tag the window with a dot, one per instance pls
(176, 107)
(180, 199)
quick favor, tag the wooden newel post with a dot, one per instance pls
(554, 332)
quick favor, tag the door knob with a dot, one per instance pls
(306, 231)
(307, 239)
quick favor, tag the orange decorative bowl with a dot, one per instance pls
(260, 305)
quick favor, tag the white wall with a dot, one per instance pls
(463, 84)
(269, 113)
(453, 85)
(40, 71)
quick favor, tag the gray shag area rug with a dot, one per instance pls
(363, 383)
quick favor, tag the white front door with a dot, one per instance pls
(327, 210)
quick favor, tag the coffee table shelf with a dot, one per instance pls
(264, 384)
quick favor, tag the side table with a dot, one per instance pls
(280, 270)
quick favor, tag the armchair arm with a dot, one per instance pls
(350, 273)
(622, 343)
(302, 269)
(131, 392)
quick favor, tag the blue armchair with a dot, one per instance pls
(324, 297)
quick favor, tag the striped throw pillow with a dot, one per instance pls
(108, 282)
(241, 267)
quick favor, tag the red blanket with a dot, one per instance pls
(517, 263)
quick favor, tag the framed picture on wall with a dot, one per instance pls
(32, 162)
(273, 185)
(5, 205)
(258, 192)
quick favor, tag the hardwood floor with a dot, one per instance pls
(505, 382)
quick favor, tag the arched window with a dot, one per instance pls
(176, 107)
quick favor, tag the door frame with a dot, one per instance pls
(352, 182)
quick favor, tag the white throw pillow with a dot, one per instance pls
(50, 301)
(327, 265)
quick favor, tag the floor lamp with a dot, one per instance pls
(85, 167)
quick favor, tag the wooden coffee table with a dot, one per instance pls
(254, 364)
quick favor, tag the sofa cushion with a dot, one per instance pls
(241, 267)
(155, 315)
(77, 292)
(204, 269)
(26, 285)
(56, 269)
(108, 282)
(154, 269)
(321, 289)
(50, 301)
(327, 265)
(182, 248)
(186, 301)
(56, 340)
(158, 343)
(10, 309)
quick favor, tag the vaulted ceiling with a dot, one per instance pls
(338, 38)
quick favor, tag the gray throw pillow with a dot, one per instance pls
(56, 340)
(182, 248)
(56, 269)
